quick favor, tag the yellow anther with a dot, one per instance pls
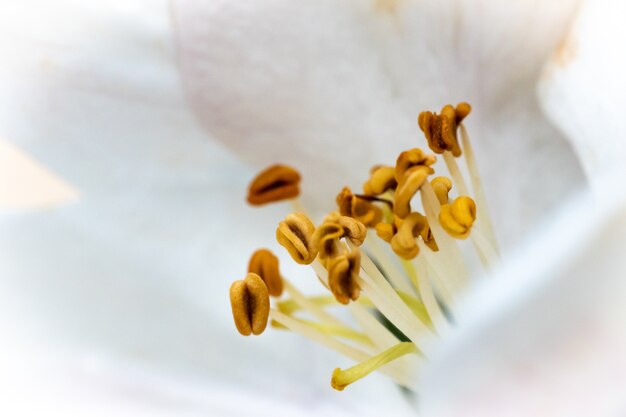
(275, 183)
(457, 218)
(441, 130)
(250, 303)
(382, 178)
(441, 186)
(403, 242)
(343, 273)
(412, 169)
(385, 231)
(265, 264)
(295, 233)
(353, 206)
(410, 184)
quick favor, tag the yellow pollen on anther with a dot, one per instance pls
(457, 218)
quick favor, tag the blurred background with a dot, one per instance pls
(129, 132)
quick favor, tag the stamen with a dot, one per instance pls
(250, 303)
(412, 169)
(453, 266)
(343, 272)
(382, 178)
(396, 373)
(403, 242)
(484, 221)
(352, 206)
(397, 278)
(343, 378)
(385, 298)
(265, 264)
(440, 130)
(457, 218)
(295, 234)
(441, 186)
(275, 183)
(455, 173)
(310, 306)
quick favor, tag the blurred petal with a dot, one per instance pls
(583, 88)
(546, 335)
(26, 184)
(335, 87)
(138, 270)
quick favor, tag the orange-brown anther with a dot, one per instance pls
(295, 234)
(441, 130)
(353, 206)
(276, 183)
(250, 303)
(343, 274)
(326, 239)
(382, 178)
(265, 264)
(441, 186)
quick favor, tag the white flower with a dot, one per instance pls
(134, 277)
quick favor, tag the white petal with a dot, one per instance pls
(545, 336)
(136, 274)
(583, 88)
(335, 87)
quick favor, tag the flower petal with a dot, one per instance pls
(545, 335)
(583, 88)
(335, 87)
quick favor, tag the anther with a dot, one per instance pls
(457, 218)
(265, 264)
(250, 303)
(275, 183)
(326, 239)
(441, 186)
(295, 234)
(440, 130)
(412, 169)
(353, 206)
(403, 242)
(382, 178)
(343, 273)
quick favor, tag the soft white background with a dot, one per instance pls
(117, 304)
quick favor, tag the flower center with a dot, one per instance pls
(399, 284)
